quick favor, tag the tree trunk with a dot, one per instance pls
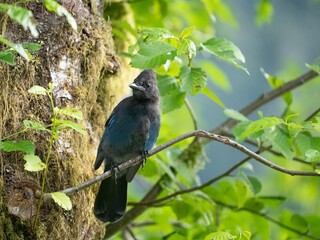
(85, 73)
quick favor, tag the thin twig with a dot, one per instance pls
(197, 133)
(150, 203)
(193, 116)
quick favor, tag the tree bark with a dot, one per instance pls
(85, 73)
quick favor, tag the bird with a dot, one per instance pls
(130, 131)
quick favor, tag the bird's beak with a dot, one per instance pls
(135, 86)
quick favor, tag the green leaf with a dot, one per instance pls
(207, 91)
(53, 6)
(7, 57)
(37, 90)
(23, 145)
(220, 236)
(275, 82)
(153, 55)
(17, 47)
(33, 163)
(225, 50)
(187, 32)
(241, 190)
(155, 34)
(62, 200)
(312, 155)
(221, 9)
(72, 112)
(32, 47)
(255, 204)
(303, 143)
(299, 222)
(315, 66)
(262, 124)
(255, 184)
(216, 75)
(239, 129)
(281, 141)
(193, 80)
(22, 16)
(235, 115)
(181, 209)
(187, 47)
(264, 13)
(246, 235)
(34, 125)
(171, 96)
(66, 124)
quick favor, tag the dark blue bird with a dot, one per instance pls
(131, 130)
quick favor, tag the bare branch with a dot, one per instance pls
(198, 133)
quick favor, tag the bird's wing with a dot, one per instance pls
(101, 153)
(153, 135)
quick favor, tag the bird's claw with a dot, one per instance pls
(113, 172)
(144, 156)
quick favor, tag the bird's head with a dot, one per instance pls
(144, 87)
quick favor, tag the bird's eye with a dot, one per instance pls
(147, 85)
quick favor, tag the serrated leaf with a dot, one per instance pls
(187, 32)
(187, 47)
(7, 57)
(303, 143)
(225, 50)
(53, 6)
(231, 113)
(72, 112)
(261, 124)
(193, 80)
(62, 200)
(153, 55)
(23, 145)
(281, 141)
(239, 129)
(171, 96)
(33, 163)
(275, 82)
(264, 13)
(220, 236)
(66, 124)
(34, 125)
(315, 66)
(22, 16)
(37, 90)
(207, 91)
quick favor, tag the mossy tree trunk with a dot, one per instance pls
(86, 74)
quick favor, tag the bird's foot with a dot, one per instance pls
(144, 156)
(113, 171)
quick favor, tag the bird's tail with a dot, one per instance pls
(111, 200)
